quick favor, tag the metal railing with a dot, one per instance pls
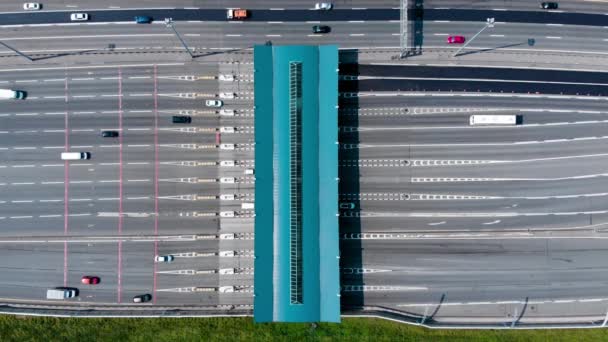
(295, 182)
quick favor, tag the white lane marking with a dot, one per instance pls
(234, 35)
(138, 198)
(138, 180)
(356, 21)
(23, 165)
(139, 77)
(83, 79)
(22, 201)
(436, 223)
(553, 37)
(357, 34)
(73, 215)
(275, 22)
(52, 200)
(20, 217)
(114, 66)
(48, 183)
(51, 165)
(137, 163)
(273, 35)
(23, 183)
(139, 145)
(109, 198)
(497, 35)
(42, 216)
(493, 222)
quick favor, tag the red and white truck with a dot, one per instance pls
(237, 14)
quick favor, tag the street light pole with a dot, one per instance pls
(17, 52)
(403, 29)
(169, 24)
(489, 23)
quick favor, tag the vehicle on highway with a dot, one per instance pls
(479, 120)
(317, 29)
(347, 205)
(12, 94)
(214, 103)
(227, 112)
(226, 77)
(181, 119)
(62, 293)
(79, 17)
(324, 6)
(143, 19)
(90, 280)
(237, 14)
(142, 298)
(549, 5)
(109, 134)
(75, 155)
(32, 6)
(164, 258)
(455, 40)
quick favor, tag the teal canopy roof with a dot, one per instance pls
(297, 276)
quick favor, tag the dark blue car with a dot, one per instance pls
(143, 19)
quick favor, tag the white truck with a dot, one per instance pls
(12, 94)
(61, 293)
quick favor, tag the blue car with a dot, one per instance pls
(143, 19)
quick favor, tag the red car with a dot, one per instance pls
(90, 280)
(455, 39)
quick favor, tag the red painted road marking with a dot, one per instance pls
(155, 181)
(66, 176)
(120, 183)
(217, 138)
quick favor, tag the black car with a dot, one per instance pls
(321, 29)
(182, 119)
(109, 134)
(549, 5)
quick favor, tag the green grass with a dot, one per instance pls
(242, 329)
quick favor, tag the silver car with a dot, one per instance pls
(164, 258)
(214, 103)
(31, 6)
(79, 17)
(326, 6)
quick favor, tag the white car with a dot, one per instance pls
(164, 258)
(214, 103)
(79, 17)
(31, 6)
(324, 6)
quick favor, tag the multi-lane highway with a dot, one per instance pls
(100, 216)
(451, 221)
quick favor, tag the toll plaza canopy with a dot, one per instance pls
(297, 276)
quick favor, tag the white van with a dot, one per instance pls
(75, 155)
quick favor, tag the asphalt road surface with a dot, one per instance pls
(156, 178)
